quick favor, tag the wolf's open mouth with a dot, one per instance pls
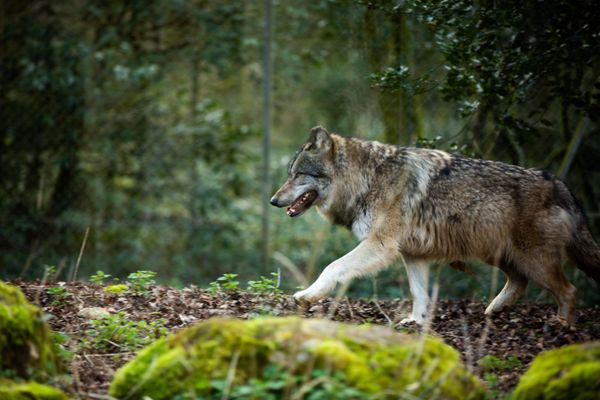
(302, 203)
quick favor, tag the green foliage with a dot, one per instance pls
(116, 333)
(49, 273)
(228, 283)
(493, 363)
(99, 277)
(276, 383)
(491, 367)
(500, 54)
(400, 78)
(141, 281)
(265, 285)
(116, 289)
(264, 310)
(492, 382)
(139, 178)
(59, 294)
(529, 68)
(225, 283)
(60, 339)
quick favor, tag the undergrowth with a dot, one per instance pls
(276, 383)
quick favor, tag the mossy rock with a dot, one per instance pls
(373, 359)
(26, 347)
(10, 390)
(568, 373)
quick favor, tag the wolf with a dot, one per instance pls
(423, 206)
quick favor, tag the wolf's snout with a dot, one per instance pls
(275, 201)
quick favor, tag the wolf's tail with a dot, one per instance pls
(585, 252)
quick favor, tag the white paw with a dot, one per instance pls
(412, 319)
(305, 295)
(491, 309)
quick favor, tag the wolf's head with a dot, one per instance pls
(309, 175)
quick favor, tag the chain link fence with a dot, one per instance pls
(121, 125)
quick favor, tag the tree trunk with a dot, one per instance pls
(377, 51)
(401, 110)
(266, 142)
(412, 111)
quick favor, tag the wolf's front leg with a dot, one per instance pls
(418, 279)
(368, 257)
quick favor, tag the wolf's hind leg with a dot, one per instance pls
(552, 278)
(418, 280)
(512, 291)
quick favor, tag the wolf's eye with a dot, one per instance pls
(312, 175)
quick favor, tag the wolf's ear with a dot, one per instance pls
(319, 139)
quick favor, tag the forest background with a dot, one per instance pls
(131, 132)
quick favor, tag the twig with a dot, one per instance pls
(341, 292)
(291, 267)
(469, 348)
(483, 339)
(113, 343)
(383, 312)
(230, 375)
(350, 309)
(111, 354)
(61, 266)
(75, 372)
(32, 254)
(565, 165)
(493, 283)
(97, 396)
(74, 276)
(435, 291)
(308, 386)
(88, 359)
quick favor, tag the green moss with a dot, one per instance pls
(116, 289)
(569, 373)
(25, 339)
(10, 390)
(372, 359)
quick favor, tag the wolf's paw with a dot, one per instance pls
(305, 296)
(491, 310)
(412, 320)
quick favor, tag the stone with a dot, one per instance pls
(568, 373)
(372, 360)
(93, 313)
(10, 390)
(26, 347)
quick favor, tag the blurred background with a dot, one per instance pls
(131, 131)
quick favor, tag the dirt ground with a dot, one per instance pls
(514, 336)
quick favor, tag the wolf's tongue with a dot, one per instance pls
(296, 207)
